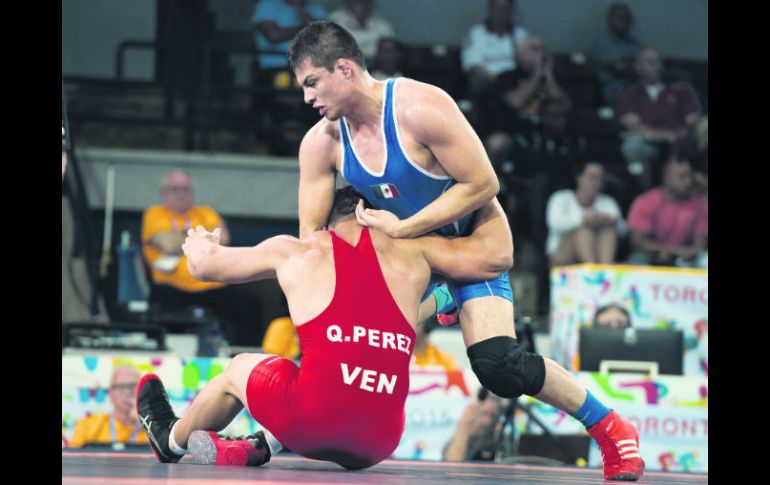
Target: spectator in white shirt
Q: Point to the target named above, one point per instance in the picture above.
(584, 225)
(488, 48)
(358, 18)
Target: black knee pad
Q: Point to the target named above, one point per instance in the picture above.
(504, 369)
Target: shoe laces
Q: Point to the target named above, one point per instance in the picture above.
(252, 437)
(160, 407)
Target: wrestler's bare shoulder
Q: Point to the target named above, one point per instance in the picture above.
(323, 137)
(417, 102)
(412, 91)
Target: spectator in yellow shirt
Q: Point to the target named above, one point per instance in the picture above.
(164, 229)
(122, 426)
(425, 353)
(281, 338)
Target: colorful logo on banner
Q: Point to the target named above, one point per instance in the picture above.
(657, 298)
(667, 390)
(424, 380)
(686, 461)
(436, 400)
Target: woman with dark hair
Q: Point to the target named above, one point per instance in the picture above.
(583, 224)
(612, 315)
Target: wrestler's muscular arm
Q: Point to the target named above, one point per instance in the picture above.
(208, 260)
(318, 155)
(430, 117)
(472, 258)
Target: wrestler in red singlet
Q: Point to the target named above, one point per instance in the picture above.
(346, 402)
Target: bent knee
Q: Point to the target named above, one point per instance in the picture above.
(503, 368)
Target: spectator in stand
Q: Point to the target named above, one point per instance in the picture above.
(489, 47)
(164, 229)
(615, 51)
(654, 113)
(524, 119)
(512, 106)
(358, 18)
(584, 225)
(275, 24)
(669, 224)
(612, 315)
(427, 354)
(388, 61)
(474, 437)
(120, 426)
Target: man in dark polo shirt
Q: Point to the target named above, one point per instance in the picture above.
(654, 113)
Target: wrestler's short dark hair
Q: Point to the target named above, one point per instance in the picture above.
(345, 201)
(323, 42)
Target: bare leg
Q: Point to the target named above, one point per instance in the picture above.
(491, 316)
(561, 389)
(607, 243)
(220, 400)
(565, 253)
(577, 246)
(486, 317)
(585, 242)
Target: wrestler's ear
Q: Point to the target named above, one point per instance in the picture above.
(345, 66)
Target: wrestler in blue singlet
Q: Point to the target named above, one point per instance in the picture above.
(404, 188)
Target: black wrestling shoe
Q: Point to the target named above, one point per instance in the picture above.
(156, 416)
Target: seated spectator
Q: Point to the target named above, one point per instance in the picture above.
(474, 437)
(488, 48)
(537, 166)
(388, 61)
(612, 315)
(281, 338)
(164, 229)
(358, 18)
(615, 51)
(654, 113)
(120, 426)
(425, 353)
(583, 224)
(696, 148)
(276, 22)
(512, 106)
(669, 224)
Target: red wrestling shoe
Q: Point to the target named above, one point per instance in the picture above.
(448, 319)
(618, 441)
(208, 448)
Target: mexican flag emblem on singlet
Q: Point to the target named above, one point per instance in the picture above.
(385, 191)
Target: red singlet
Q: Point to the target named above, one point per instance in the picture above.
(346, 401)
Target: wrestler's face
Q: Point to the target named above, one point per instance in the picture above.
(324, 90)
